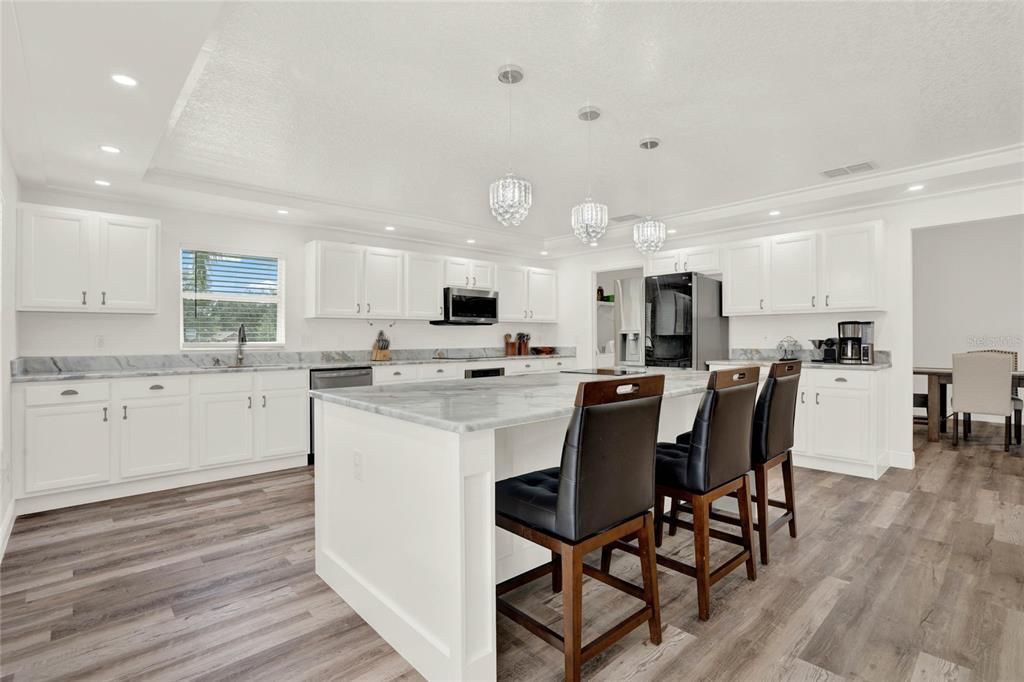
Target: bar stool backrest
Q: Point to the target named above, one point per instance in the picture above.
(982, 383)
(775, 412)
(720, 440)
(607, 473)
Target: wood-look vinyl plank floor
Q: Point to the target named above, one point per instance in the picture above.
(917, 576)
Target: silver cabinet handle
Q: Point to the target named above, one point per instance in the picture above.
(156, 387)
(527, 365)
(83, 298)
(103, 298)
(439, 371)
(675, 266)
(558, 364)
(104, 414)
(526, 314)
(69, 391)
(250, 402)
(474, 281)
(841, 380)
(685, 264)
(817, 399)
(396, 374)
(813, 298)
(124, 414)
(467, 280)
(367, 308)
(359, 308)
(761, 304)
(802, 402)
(827, 296)
(264, 400)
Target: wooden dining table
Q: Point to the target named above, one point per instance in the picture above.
(939, 379)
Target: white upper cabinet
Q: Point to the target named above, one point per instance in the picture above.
(745, 283)
(424, 284)
(464, 272)
(850, 267)
(703, 259)
(794, 272)
(512, 298)
(82, 261)
(334, 280)
(541, 295)
(481, 275)
(663, 263)
(383, 272)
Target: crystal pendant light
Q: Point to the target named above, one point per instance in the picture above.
(649, 234)
(589, 219)
(511, 196)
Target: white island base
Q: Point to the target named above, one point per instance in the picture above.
(405, 528)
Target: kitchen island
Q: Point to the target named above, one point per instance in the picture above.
(405, 479)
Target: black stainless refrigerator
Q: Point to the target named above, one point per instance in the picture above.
(683, 323)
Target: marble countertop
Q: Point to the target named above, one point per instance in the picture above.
(481, 404)
(129, 372)
(806, 365)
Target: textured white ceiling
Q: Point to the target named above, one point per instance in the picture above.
(365, 112)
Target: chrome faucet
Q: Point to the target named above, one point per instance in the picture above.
(241, 342)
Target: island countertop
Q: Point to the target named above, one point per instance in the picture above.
(490, 403)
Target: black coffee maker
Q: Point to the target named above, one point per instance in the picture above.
(829, 350)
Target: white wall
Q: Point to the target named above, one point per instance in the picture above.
(75, 334)
(894, 328)
(8, 334)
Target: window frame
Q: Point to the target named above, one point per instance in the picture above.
(279, 299)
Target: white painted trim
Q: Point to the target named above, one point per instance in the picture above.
(37, 503)
(837, 466)
(6, 526)
(902, 460)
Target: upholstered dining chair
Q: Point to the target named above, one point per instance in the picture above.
(982, 384)
(1018, 402)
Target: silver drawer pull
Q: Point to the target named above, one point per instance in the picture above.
(440, 371)
(83, 298)
(125, 408)
(396, 374)
(69, 391)
(841, 380)
(104, 414)
(156, 387)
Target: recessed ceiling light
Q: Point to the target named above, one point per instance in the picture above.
(282, 211)
(671, 231)
(102, 183)
(389, 228)
(110, 149)
(915, 188)
(543, 253)
(471, 241)
(122, 79)
(774, 213)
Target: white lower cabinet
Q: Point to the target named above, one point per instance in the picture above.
(154, 435)
(283, 410)
(69, 445)
(224, 424)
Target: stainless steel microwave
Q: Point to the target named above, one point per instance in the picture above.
(470, 306)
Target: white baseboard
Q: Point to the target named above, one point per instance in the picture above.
(902, 460)
(6, 526)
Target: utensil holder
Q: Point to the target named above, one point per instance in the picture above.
(380, 355)
(511, 348)
(524, 348)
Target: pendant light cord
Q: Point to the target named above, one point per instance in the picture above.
(509, 86)
(590, 157)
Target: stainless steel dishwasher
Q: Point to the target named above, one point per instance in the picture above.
(327, 377)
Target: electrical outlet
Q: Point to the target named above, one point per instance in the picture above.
(100, 341)
(357, 466)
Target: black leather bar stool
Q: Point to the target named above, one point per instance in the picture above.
(602, 492)
(706, 464)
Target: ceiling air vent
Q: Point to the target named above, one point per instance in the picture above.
(628, 217)
(862, 167)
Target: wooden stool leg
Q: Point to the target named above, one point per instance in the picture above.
(572, 611)
(1017, 416)
(606, 556)
(761, 483)
(1006, 436)
(787, 482)
(743, 499)
(659, 518)
(967, 425)
(701, 555)
(649, 572)
(673, 521)
(556, 572)
(956, 428)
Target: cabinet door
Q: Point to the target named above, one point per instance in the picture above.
(511, 285)
(282, 422)
(481, 275)
(225, 425)
(126, 272)
(424, 284)
(744, 278)
(700, 259)
(794, 273)
(663, 263)
(154, 435)
(336, 288)
(55, 247)
(841, 424)
(850, 268)
(542, 295)
(383, 282)
(67, 446)
(802, 421)
(457, 272)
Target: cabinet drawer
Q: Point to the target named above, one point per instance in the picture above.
(395, 374)
(559, 364)
(448, 370)
(836, 378)
(152, 387)
(61, 392)
(269, 381)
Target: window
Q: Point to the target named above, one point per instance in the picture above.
(220, 291)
